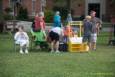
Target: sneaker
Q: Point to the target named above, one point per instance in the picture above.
(57, 51)
(21, 52)
(94, 49)
(51, 51)
(26, 51)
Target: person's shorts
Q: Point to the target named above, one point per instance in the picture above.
(87, 38)
(22, 42)
(94, 37)
(54, 36)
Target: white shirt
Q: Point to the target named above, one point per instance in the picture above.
(57, 30)
(21, 36)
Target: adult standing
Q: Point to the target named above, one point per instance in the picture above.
(113, 25)
(112, 31)
(96, 25)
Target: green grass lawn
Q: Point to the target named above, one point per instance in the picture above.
(99, 63)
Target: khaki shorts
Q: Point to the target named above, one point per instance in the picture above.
(94, 37)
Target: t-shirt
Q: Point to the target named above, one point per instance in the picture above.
(57, 30)
(68, 31)
(57, 21)
(87, 28)
(39, 23)
(21, 36)
(94, 21)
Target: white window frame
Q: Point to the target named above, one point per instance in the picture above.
(102, 6)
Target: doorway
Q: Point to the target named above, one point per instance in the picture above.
(95, 7)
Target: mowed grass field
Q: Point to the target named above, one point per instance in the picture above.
(99, 63)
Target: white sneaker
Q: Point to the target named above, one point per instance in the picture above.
(26, 51)
(21, 52)
(51, 51)
(57, 51)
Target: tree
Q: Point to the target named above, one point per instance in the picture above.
(64, 6)
(23, 14)
(65, 3)
(68, 5)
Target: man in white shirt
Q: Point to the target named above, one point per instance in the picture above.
(54, 35)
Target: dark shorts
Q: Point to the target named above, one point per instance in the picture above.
(54, 36)
(87, 38)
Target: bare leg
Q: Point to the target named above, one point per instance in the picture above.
(57, 46)
(26, 49)
(94, 45)
(89, 44)
(21, 49)
(52, 46)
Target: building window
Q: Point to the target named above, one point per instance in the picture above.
(43, 4)
(12, 3)
(33, 7)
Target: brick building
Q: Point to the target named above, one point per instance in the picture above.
(104, 8)
(32, 6)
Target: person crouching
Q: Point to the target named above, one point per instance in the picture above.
(54, 35)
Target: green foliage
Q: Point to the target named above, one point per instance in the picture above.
(7, 15)
(8, 10)
(113, 1)
(1, 16)
(61, 3)
(23, 14)
(49, 16)
(63, 11)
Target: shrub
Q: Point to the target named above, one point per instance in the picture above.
(1, 16)
(23, 14)
(7, 15)
(63, 11)
(8, 10)
(49, 16)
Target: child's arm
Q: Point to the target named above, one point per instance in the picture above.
(26, 35)
(16, 36)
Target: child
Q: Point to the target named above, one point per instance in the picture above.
(39, 39)
(57, 20)
(87, 30)
(68, 32)
(22, 39)
(39, 23)
(69, 18)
